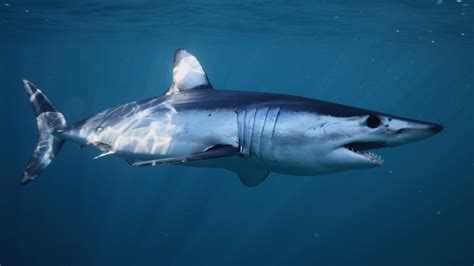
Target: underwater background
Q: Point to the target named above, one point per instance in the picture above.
(409, 58)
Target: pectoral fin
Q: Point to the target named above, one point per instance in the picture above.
(216, 151)
(106, 153)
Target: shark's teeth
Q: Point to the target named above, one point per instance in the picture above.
(375, 158)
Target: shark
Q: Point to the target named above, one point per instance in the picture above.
(249, 133)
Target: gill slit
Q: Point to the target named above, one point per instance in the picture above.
(252, 130)
(274, 124)
(261, 133)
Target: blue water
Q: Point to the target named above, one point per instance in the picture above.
(409, 58)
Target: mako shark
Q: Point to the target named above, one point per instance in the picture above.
(249, 133)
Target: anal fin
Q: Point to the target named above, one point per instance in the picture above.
(216, 151)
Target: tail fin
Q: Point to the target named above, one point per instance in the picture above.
(49, 119)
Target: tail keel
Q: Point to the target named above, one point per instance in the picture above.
(49, 119)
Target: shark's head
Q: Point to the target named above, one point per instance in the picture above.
(317, 137)
(351, 139)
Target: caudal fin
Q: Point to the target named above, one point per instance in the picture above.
(49, 119)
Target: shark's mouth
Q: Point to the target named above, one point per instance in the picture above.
(361, 148)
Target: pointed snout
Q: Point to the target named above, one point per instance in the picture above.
(435, 128)
(407, 131)
(423, 129)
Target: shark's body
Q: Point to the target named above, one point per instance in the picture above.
(249, 133)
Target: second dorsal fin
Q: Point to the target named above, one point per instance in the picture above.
(188, 73)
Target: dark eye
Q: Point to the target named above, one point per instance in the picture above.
(373, 121)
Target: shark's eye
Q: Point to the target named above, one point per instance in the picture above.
(373, 121)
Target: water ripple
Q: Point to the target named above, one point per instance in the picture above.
(396, 20)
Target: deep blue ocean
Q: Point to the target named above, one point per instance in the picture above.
(409, 58)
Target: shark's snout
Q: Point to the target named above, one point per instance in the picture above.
(435, 128)
(411, 131)
(428, 128)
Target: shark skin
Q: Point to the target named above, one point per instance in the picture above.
(250, 133)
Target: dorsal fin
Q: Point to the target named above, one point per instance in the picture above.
(188, 73)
